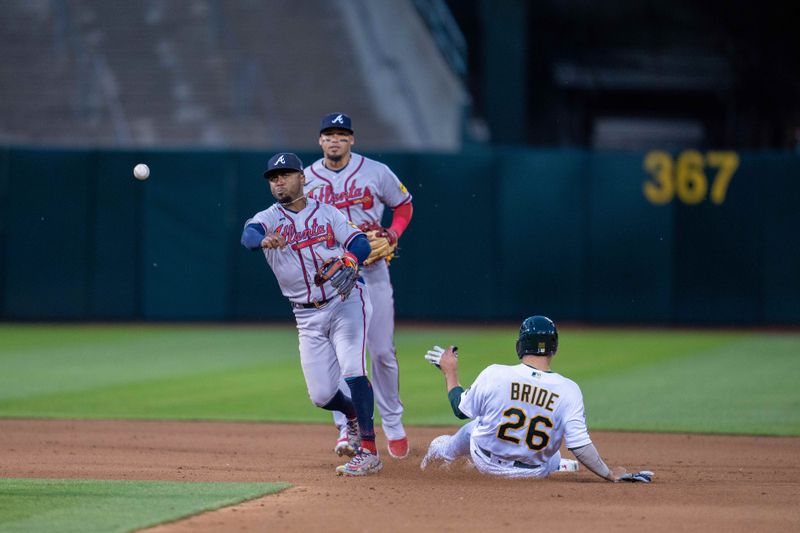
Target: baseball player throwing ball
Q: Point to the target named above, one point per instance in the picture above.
(521, 414)
(361, 189)
(315, 253)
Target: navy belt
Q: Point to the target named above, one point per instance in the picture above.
(312, 304)
(517, 464)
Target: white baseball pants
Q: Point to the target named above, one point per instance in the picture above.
(385, 376)
(461, 444)
(332, 343)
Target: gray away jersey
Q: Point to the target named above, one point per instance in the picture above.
(312, 235)
(360, 190)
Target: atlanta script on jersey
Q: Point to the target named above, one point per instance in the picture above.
(313, 235)
(523, 414)
(361, 190)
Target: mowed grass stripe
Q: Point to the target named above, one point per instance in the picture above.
(670, 380)
(749, 386)
(259, 392)
(41, 359)
(73, 505)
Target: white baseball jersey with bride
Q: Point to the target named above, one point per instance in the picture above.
(314, 234)
(523, 414)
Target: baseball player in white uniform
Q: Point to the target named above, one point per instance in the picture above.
(521, 414)
(315, 252)
(362, 188)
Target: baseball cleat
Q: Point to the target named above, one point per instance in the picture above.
(364, 463)
(349, 441)
(398, 448)
(343, 447)
(436, 451)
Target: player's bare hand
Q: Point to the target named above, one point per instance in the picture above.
(273, 240)
(449, 359)
(616, 473)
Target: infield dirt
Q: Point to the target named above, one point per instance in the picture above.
(702, 483)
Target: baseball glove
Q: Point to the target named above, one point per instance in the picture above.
(383, 243)
(645, 476)
(342, 272)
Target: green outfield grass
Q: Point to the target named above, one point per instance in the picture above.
(79, 505)
(663, 380)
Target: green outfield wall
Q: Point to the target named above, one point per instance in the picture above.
(682, 237)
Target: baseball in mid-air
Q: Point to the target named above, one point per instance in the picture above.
(141, 171)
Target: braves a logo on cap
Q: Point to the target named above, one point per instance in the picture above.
(280, 161)
(338, 120)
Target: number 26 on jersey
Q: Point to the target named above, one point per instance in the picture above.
(536, 434)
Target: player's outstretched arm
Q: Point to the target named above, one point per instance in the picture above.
(251, 236)
(590, 458)
(254, 237)
(447, 362)
(273, 240)
(449, 366)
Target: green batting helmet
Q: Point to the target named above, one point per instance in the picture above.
(537, 336)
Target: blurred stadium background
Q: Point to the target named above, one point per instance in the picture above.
(619, 164)
(603, 162)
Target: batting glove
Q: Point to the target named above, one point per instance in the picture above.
(434, 355)
(645, 476)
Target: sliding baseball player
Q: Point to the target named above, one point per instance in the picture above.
(521, 414)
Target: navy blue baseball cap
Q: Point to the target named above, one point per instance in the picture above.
(336, 120)
(283, 161)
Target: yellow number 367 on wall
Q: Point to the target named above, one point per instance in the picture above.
(685, 176)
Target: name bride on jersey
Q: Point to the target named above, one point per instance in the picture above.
(533, 395)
